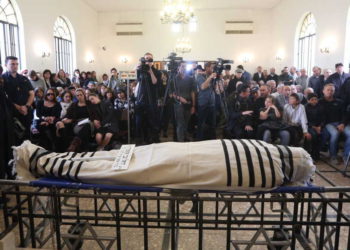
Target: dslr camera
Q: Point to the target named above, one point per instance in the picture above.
(222, 64)
(173, 62)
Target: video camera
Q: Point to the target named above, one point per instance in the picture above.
(144, 67)
(222, 64)
(173, 62)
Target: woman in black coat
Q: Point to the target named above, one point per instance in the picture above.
(48, 111)
(76, 128)
(105, 121)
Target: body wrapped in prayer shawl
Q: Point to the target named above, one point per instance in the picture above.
(207, 165)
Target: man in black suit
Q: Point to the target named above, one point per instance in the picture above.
(338, 78)
(258, 76)
(272, 75)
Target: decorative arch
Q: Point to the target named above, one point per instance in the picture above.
(64, 45)
(306, 43)
(10, 31)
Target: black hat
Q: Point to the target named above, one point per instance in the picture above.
(311, 95)
(254, 89)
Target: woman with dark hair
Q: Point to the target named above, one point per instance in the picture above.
(121, 105)
(62, 76)
(105, 121)
(76, 76)
(109, 96)
(48, 111)
(76, 129)
(56, 81)
(83, 78)
(47, 78)
(67, 100)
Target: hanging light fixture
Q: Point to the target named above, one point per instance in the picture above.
(183, 45)
(176, 11)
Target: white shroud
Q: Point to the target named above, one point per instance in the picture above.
(214, 165)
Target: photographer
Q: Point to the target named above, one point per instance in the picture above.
(183, 91)
(147, 94)
(206, 102)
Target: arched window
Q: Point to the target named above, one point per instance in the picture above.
(306, 43)
(9, 32)
(63, 45)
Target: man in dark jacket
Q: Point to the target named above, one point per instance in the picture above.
(6, 133)
(333, 110)
(315, 117)
(258, 76)
(337, 79)
(241, 113)
(316, 81)
(272, 75)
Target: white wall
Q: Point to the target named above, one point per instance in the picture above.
(274, 31)
(331, 18)
(208, 43)
(39, 17)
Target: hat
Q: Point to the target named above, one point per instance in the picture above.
(239, 71)
(254, 89)
(311, 95)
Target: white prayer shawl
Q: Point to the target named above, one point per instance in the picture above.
(206, 165)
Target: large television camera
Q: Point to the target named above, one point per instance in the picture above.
(173, 62)
(221, 65)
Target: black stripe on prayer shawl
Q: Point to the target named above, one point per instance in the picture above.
(261, 164)
(38, 158)
(238, 161)
(272, 168)
(33, 155)
(69, 169)
(93, 153)
(73, 155)
(60, 168)
(77, 171)
(291, 163)
(47, 162)
(250, 164)
(283, 163)
(53, 165)
(228, 166)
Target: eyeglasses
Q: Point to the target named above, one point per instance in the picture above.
(50, 94)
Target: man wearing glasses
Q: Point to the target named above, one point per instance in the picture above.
(21, 94)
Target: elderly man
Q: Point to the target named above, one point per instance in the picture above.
(316, 81)
(283, 98)
(272, 75)
(302, 80)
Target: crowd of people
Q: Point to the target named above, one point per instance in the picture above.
(84, 113)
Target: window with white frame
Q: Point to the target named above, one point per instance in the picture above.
(306, 43)
(63, 46)
(9, 32)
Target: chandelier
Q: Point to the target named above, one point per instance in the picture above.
(176, 11)
(183, 45)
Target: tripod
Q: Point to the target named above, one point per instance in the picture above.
(222, 96)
